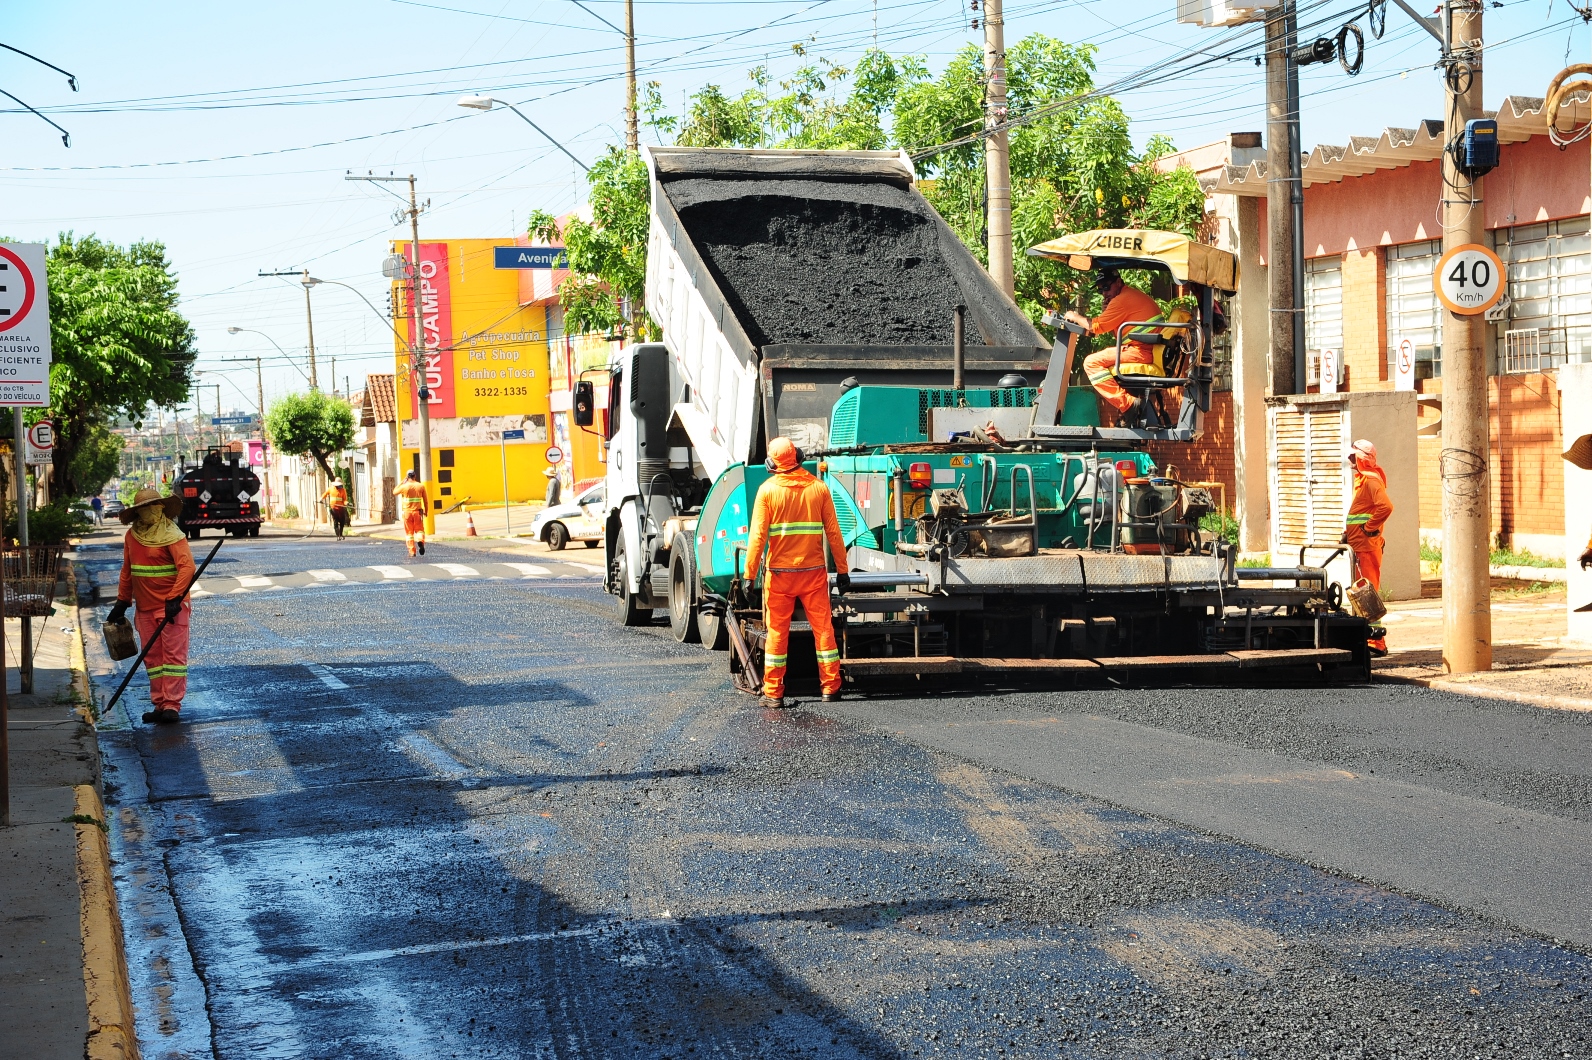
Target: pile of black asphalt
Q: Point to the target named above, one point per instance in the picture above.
(824, 263)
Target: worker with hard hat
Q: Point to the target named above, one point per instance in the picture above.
(1368, 514)
(1123, 305)
(336, 498)
(792, 517)
(157, 571)
(412, 502)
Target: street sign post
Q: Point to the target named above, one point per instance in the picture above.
(514, 435)
(24, 326)
(1329, 371)
(241, 420)
(1404, 365)
(554, 455)
(529, 258)
(1469, 279)
(41, 443)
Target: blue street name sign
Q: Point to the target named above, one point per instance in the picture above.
(514, 436)
(230, 421)
(529, 258)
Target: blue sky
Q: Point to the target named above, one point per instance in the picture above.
(225, 129)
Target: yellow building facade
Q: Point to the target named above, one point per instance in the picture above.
(485, 368)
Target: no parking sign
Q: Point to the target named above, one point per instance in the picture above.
(24, 325)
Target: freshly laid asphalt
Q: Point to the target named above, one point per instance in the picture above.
(456, 816)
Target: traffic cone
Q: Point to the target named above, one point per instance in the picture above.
(469, 525)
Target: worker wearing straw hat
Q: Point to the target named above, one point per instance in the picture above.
(157, 568)
(1580, 454)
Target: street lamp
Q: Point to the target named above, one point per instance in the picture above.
(273, 342)
(487, 103)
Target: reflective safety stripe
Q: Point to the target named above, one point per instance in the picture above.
(787, 529)
(1099, 377)
(828, 656)
(774, 660)
(141, 571)
(1359, 519)
(168, 671)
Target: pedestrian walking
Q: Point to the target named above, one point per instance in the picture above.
(336, 498)
(157, 568)
(412, 503)
(555, 488)
(1368, 513)
(97, 505)
(793, 515)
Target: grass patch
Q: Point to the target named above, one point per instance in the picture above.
(1504, 557)
(1221, 525)
(83, 818)
(1430, 553)
(1529, 589)
(1256, 561)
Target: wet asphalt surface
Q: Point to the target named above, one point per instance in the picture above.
(476, 818)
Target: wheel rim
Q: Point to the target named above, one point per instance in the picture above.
(679, 596)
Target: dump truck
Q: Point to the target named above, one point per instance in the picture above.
(994, 527)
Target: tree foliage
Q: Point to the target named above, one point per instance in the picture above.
(97, 460)
(313, 424)
(119, 344)
(1073, 168)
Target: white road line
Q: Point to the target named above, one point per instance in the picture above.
(529, 570)
(392, 571)
(424, 747)
(328, 575)
(196, 592)
(458, 570)
(241, 589)
(327, 678)
(253, 581)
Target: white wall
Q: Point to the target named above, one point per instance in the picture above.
(1575, 410)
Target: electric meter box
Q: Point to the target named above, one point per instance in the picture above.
(1478, 148)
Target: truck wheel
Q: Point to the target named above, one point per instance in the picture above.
(682, 590)
(557, 536)
(628, 610)
(593, 543)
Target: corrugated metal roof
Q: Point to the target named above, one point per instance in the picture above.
(1519, 118)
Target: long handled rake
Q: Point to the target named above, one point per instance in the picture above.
(153, 637)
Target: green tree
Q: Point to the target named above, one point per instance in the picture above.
(313, 424)
(118, 341)
(97, 461)
(608, 254)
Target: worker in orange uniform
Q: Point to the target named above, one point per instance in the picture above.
(792, 515)
(1368, 513)
(1123, 305)
(336, 498)
(157, 570)
(412, 502)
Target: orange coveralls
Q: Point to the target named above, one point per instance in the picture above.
(793, 514)
(150, 577)
(1368, 513)
(336, 498)
(412, 502)
(1131, 305)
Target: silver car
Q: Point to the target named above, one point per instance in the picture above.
(580, 520)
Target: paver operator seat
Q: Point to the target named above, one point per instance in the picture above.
(1180, 337)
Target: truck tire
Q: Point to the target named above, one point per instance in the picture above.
(683, 590)
(557, 536)
(627, 609)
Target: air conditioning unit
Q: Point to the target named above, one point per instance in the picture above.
(1217, 13)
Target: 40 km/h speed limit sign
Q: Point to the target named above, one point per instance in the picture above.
(1469, 279)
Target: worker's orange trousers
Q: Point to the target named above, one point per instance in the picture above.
(167, 661)
(780, 594)
(1368, 560)
(1099, 367)
(414, 529)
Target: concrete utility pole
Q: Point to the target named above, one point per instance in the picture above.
(997, 150)
(1467, 515)
(632, 123)
(309, 317)
(1284, 203)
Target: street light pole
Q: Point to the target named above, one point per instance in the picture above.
(632, 124)
(997, 151)
(309, 317)
(488, 102)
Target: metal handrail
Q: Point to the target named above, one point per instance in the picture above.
(1191, 325)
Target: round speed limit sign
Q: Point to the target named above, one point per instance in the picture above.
(1469, 279)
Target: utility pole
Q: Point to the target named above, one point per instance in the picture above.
(418, 374)
(309, 317)
(1285, 198)
(334, 377)
(632, 123)
(1467, 516)
(997, 150)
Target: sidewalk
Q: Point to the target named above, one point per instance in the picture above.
(1531, 662)
(62, 970)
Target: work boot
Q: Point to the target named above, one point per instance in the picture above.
(1133, 415)
(162, 716)
(772, 702)
(1378, 647)
(421, 545)
(831, 697)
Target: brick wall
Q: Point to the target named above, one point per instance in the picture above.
(1211, 458)
(1365, 319)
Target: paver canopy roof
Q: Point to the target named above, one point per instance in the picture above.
(1188, 260)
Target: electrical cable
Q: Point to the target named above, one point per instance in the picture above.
(1352, 29)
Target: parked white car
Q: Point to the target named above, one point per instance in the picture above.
(581, 520)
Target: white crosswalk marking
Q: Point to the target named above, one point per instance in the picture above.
(197, 592)
(327, 678)
(241, 589)
(253, 581)
(458, 570)
(387, 570)
(529, 570)
(328, 575)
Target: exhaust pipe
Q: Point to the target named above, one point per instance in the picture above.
(958, 346)
(878, 579)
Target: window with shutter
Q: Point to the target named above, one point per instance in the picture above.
(1309, 492)
(1413, 311)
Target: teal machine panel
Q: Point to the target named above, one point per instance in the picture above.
(899, 415)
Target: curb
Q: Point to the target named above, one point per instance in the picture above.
(1460, 686)
(107, 988)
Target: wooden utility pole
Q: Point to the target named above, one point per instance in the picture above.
(1467, 515)
(997, 150)
(632, 124)
(1284, 202)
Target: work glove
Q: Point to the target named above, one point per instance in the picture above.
(1343, 539)
(173, 608)
(119, 612)
(842, 582)
(1586, 559)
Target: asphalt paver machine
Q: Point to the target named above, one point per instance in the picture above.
(995, 528)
